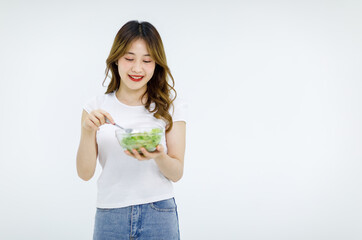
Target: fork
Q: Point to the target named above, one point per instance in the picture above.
(127, 130)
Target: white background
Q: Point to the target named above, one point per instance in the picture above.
(275, 109)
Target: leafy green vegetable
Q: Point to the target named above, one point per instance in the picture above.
(148, 140)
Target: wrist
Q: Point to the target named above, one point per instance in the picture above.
(88, 132)
(161, 157)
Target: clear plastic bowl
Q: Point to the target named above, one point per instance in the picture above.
(144, 136)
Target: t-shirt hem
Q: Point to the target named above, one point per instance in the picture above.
(135, 202)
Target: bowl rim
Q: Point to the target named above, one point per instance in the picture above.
(121, 131)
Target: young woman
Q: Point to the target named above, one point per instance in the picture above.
(135, 197)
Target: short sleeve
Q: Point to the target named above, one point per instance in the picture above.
(179, 110)
(93, 104)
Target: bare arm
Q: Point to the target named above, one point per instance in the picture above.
(172, 164)
(87, 150)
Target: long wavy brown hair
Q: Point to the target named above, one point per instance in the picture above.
(158, 88)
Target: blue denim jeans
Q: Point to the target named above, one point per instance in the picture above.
(157, 220)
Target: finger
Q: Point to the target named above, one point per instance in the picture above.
(100, 117)
(94, 120)
(145, 153)
(160, 148)
(128, 153)
(107, 115)
(137, 155)
(90, 124)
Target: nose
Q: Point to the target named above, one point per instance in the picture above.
(137, 67)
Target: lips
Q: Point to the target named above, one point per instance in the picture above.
(135, 78)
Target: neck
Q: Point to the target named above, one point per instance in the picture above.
(132, 98)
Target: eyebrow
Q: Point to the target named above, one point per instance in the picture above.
(147, 55)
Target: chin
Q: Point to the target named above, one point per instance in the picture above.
(137, 87)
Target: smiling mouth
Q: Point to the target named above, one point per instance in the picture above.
(135, 78)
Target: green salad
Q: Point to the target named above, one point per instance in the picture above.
(148, 140)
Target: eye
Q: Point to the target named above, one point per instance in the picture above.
(128, 59)
(147, 61)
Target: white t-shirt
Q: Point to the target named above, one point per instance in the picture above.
(124, 180)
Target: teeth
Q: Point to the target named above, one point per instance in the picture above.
(136, 77)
